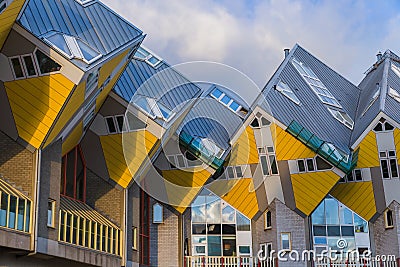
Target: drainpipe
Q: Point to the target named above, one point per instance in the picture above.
(124, 227)
(35, 213)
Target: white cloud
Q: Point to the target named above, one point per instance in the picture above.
(344, 34)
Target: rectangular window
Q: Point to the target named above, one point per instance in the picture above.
(388, 219)
(121, 123)
(266, 250)
(301, 166)
(286, 242)
(268, 161)
(110, 125)
(29, 65)
(134, 238)
(51, 211)
(310, 165)
(157, 213)
(389, 165)
(267, 220)
(91, 82)
(17, 67)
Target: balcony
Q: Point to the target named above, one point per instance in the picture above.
(204, 261)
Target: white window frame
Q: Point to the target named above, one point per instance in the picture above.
(394, 94)
(283, 88)
(266, 226)
(13, 70)
(353, 173)
(263, 152)
(289, 238)
(156, 110)
(6, 2)
(382, 123)
(388, 158)
(146, 58)
(338, 115)
(90, 87)
(35, 66)
(158, 205)
(264, 249)
(219, 99)
(125, 127)
(234, 171)
(314, 160)
(372, 101)
(385, 214)
(53, 214)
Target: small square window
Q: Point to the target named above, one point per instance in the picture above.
(301, 166)
(357, 174)
(121, 123)
(310, 165)
(226, 99)
(286, 241)
(238, 170)
(29, 66)
(17, 67)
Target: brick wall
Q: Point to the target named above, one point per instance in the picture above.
(104, 197)
(17, 164)
(260, 235)
(387, 240)
(164, 240)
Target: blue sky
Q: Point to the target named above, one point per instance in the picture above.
(251, 35)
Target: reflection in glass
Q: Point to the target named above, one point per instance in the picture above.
(360, 225)
(332, 211)
(213, 210)
(346, 216)
(318, 216)
(243, 224)
(214, 246)
(228, 214)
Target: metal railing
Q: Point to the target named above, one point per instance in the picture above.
(203, 261)
(367, 262)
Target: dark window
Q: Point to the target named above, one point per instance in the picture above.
(73, 180)
(214, 229)
(111, 125)
(389, 218)
(264, 165)
(274, 167)
(347, 230)
(268, 220)
(393, 167)
(228, 229)
(358, 175)
(322, 164)
(121, 123)
(319, 230)
(378, 128)
(30, 66)
(199, 229)
(239, 173)
(333, 231)
(3, 6)
(310, 165)
(17, 67)
(46, 64)
(265, 122)
(385, 169)
(301, 166)
(255, 123)
(388, 126)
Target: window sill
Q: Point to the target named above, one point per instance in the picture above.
(51, 227)
(268, 228)
(389, 227)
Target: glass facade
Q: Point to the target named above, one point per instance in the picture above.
(333, 222)
(216, 227)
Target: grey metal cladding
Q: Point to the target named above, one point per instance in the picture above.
(95, 24)
(162, 83)
(321, 124)
(392, 106)
(209, 118)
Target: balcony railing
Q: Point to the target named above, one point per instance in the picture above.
(368, 262)
(202, 261)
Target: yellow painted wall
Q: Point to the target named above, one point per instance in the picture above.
(311, 188)
(186, 184)
(240, 194)
(71, 107)
(35, 103)
(288, 147)
(368, 155)
(7, 19)
(73, 139)
(245, 149)
(105, 71)
(396, 134)
(137, 145)
(358, 196)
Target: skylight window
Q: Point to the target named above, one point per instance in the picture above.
(226, 100)
(314, 82)
(373, 99)
(393, 93)
(73, 47)
(286, 91)
(396, 70)
(148, 56)
(342, 117)
(154, 108)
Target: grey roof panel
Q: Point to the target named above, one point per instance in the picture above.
(95, 24)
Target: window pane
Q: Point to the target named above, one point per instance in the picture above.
(59, 41)
(347, 231)
(120, 122)
(385, 169)
(360, 225)
(239, 173)
(358, 175)
(333, 231)
(214, 246)
(28, 216)
(199, 239)
(88, 52)
(243, 224)
(213, 210)
(230, 173)
(228, 214)
(216, 93)
(310, 165)
(285, 238)
(228, 229)
(234, 106)
(319, 230)
(274, 167)
(111, 125)
(320, 241)
(157, 213)
(318, 216)
(17, 68)
(244, 249)
(229, 246)
(50, 213)
(346, 216)
(46, 64)
(213, 229)
(301, 166)
(199, 210)
(264, 165)
(3, 209)
(12, 212)
(332, 211)
(225, 99)
(30, 67)
(393, 167)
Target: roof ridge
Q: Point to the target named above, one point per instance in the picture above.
(384, 85)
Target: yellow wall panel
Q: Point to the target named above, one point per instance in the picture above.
(73, 139)
(70, 108)
(288, 147)
(136, 146)
(368, 155)
(35, 104)
(396, 134)
(109, 66)
(358, 196)
(311, 188)
(239, 193)
(183, 186)
(7, 19)
(245, 149)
